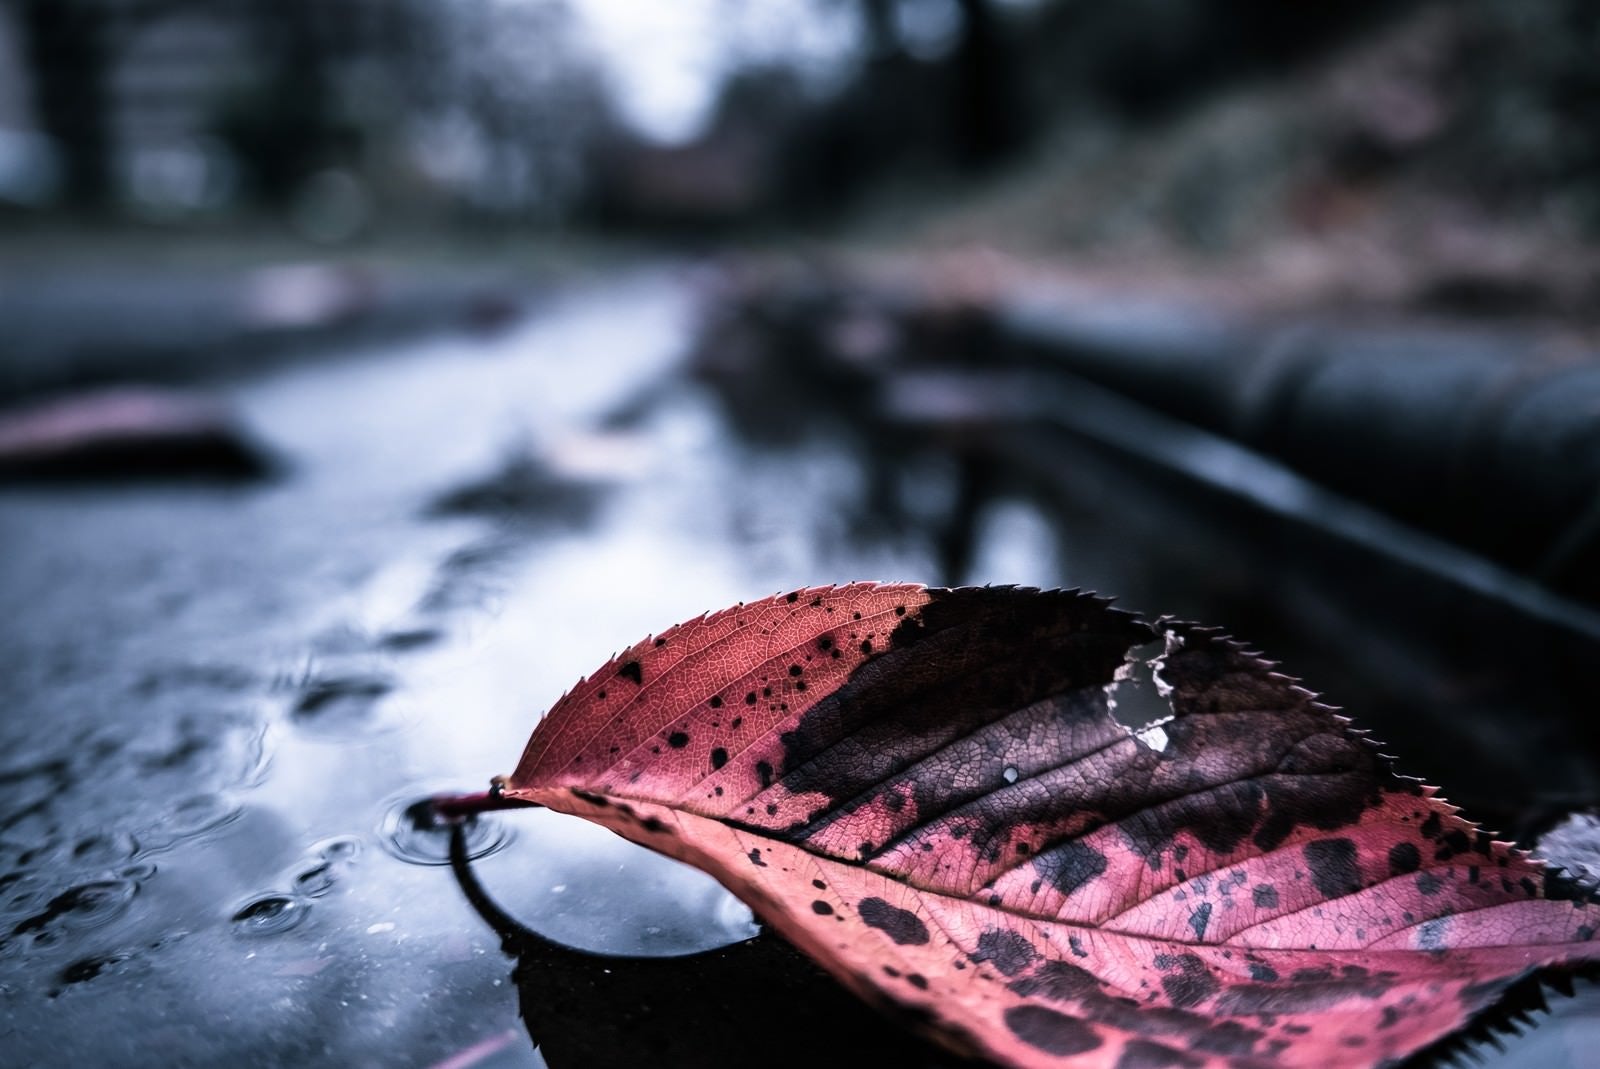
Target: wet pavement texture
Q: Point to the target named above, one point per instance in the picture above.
(222, 703)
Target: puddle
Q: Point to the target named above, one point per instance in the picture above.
(224, 705)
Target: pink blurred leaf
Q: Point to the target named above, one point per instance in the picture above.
(927, 792)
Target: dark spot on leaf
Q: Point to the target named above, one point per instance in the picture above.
(652, 824)
(719, 757)
(1333, 866)
(1145, 1054)
(1455, 842)
(1310, 991)
(1261, 973)
(1430, 934)
(1070, 865)
(1049, 1031)
(792, 598)
(632, 671)
(1429, 884)
(821, 908)
(1188, 982)
(1265, 896)
(716, 702)
(917, 980)
(1009, 952)
(1199, 919)
(764, 774)
(1060, 982)
(1226, 1038)
(1404, 858)
(819, 885)
(901, 925)
(755, 859)
(677, 740)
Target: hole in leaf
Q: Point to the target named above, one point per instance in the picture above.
(1136, 701)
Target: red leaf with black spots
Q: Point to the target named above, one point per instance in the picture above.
(927, 792)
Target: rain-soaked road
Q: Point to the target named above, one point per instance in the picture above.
(217, 702)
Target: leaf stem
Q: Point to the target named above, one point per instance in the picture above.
(455, 807)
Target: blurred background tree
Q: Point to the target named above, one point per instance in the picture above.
(345, 117)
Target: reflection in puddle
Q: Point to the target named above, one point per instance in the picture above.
(716, 1009)
(581, 886)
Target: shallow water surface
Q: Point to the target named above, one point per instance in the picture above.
(221, 705)
(221, 701)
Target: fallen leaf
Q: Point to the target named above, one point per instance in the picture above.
(926, 791)
(127, 433)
